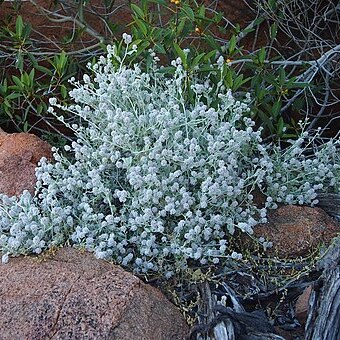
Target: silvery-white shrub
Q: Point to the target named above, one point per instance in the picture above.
(153, 182)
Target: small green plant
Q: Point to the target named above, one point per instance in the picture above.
(25, 89)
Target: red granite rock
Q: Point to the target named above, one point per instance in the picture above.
(19, 156)
(72, 295)
(297, 230)
(301, 307)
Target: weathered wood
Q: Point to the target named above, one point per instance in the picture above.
(219, 322)
(323, 320)
(330, 202)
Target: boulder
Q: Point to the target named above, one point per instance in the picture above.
(297, 230)
(19, 156)
(71, 295)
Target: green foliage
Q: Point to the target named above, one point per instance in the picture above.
(24, 95)
(172, 29)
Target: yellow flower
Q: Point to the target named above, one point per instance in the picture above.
(198, 30)
(228, 61)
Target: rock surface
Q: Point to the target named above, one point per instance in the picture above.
(19, 156)
(302, 304)
(72, 295)
(297, 230)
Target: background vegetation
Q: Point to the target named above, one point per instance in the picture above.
(286, 54)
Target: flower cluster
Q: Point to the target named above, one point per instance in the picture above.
(154, 183)
(303, 169)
